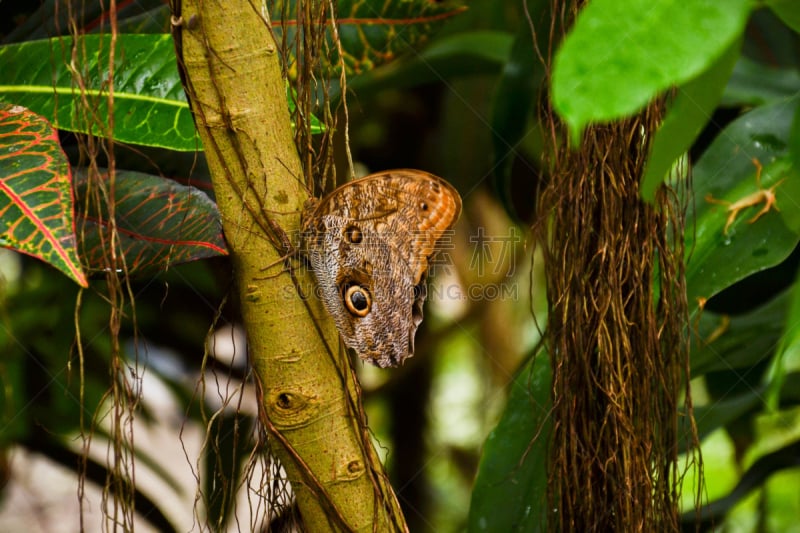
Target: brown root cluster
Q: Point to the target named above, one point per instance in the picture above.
(616, 329)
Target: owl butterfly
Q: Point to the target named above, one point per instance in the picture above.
(369, 243)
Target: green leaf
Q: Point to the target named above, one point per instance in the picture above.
(291, 96)
(788, 11)
(754, 83)
(689, 113)
(160, 223)
(620, 54)
(149, 103)
(35, 195)
(510, 492)
(727, 172)
(727, 343)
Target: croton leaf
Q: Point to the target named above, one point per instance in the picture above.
(373, 32)
(35, 195)
(54, 17)
(158, 221)
(469, 53)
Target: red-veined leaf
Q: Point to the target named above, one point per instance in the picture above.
(374, 32)
(159, 223)
(35, 195)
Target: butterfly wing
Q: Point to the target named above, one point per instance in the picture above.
(377, 234)
(369, 301)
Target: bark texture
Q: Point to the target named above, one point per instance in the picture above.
(309, 396)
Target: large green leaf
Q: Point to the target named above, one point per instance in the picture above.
(149, 103)
(510, 492)
(621, 53)
(35, 195)
(728, 171)
(159, 223)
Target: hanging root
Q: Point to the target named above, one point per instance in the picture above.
(616, 333)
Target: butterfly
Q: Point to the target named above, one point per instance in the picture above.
(369, 244)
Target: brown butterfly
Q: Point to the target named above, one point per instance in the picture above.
(369, 243)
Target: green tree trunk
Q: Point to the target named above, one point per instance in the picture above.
(309, 399)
